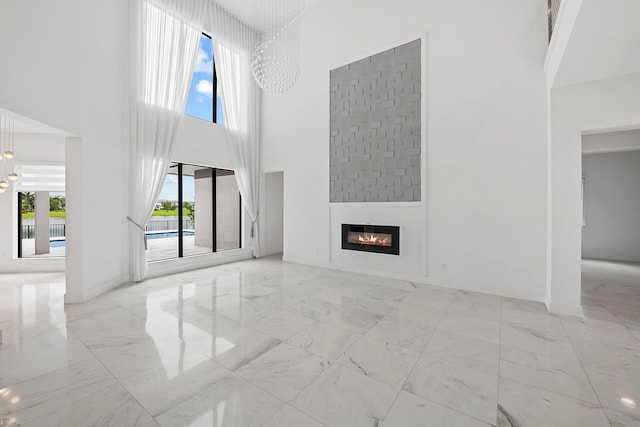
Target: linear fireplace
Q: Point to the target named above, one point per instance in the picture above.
(383, 239)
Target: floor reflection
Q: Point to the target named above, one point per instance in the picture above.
(264, 342)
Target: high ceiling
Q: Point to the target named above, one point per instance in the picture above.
(245, 10)
(605, 42)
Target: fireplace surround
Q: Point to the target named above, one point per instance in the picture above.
(383, 239)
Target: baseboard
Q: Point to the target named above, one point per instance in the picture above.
(562, 308)
(314, 262)
(72, 298)
(418, 279)
(488, 291)
(547, 300)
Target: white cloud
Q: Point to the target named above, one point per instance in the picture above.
(205, 87)
(204, 64)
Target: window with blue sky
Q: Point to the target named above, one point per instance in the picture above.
(201, 102)
(170, 188)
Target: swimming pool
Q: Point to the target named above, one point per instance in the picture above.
(60, 243)
(167, 235)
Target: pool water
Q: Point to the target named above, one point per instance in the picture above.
(150, 236)
(169, 234)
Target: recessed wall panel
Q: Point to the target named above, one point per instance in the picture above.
(375, 139)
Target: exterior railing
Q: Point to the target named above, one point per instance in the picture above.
(169, 224)
(28, 231)
(60, 230)
(553, 6)
(55, 230)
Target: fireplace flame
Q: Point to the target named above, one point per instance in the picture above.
(373, 239)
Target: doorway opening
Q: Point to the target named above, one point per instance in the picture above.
(274, 213)
(40, 205)
(610, 279)
(36, 203)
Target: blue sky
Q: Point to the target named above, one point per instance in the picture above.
(200, 99)
(170, 188)
(199, 105)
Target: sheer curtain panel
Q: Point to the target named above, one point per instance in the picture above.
(233, 44)
(164, 45)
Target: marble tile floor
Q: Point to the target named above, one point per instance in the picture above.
(266, 343)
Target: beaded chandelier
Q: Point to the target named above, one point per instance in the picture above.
(276, 61)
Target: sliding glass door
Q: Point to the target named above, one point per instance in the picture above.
(198, 212)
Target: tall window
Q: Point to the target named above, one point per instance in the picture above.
(198, 212)
(204, 96)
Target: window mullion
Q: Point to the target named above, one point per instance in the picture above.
(214, 99)
(19, 224)
(180, 216)
(214, 209)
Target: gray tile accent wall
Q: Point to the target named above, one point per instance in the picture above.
(375, 127)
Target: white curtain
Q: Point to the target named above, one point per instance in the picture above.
(233, 44)
(165, 36)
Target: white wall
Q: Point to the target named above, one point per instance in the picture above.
(483, 224)
(39, 148)
(29, 149)
(203, 143)
(612, 104)
(65, 64)
(611, 206)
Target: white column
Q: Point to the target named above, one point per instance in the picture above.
(73, 251)
(42, 222)
(203, 223)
